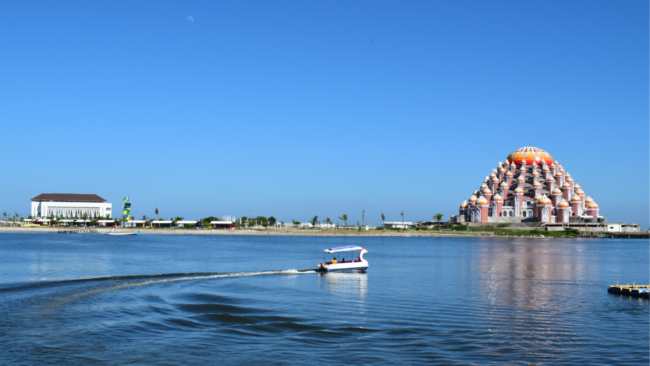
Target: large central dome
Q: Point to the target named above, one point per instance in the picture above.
(531, 155)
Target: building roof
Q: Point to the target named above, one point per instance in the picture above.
(68, 197)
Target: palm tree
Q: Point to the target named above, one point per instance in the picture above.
(402, 214)
(383, 218)
(438, 218)
(328, 221)
(157, 213)
(4, 214)
(363, 217)
(85, 217)
(314, 221)
(344, 217)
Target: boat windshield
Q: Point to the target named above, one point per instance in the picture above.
(348, 248)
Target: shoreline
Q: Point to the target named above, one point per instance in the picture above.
(327, 233)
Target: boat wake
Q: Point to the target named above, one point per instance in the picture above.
(147, 279)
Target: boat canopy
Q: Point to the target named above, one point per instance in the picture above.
(348, 248)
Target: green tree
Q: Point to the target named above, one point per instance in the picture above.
(85, 217)
(314, 221)
(271, 220)
(158, 216)
(344, 217)
(383, 218)
(363, 217)
(328, 221)
(402, 214)
(438, 218)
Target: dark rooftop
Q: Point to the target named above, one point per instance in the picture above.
(68, 197)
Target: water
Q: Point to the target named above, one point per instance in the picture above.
(168, 299)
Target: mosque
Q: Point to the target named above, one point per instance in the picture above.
(530, 187)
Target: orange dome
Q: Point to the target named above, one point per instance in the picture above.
(566, 185)
(463, 205)
(487, 191)
(537, 198)
(492, 175)
(569, 179)
(577, 186)
(535, 173)
(550, 179)
(482, 201)
(509, 174)
(576, 198)
(503, 184)
(476, 193)
(545, 201)
(483, 186)
(472, 199)
(521, 178)
(537, 184)
(580, 192)
(564, 203)
(497, 197)
(530, 155)
(589, 199)
(495, 180)
(545, 168)
(557, 191)
(592, 205)
(519, 190)
(559, 174)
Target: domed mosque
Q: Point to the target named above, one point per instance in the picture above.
(529, 187)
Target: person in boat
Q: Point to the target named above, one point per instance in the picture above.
(334, 261)
(342, 260)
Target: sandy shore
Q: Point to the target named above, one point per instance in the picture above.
(271, 232)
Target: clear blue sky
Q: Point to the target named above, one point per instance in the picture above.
(303, 108)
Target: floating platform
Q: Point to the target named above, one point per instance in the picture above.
(634, 290)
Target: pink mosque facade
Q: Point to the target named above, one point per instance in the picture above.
(529, 187)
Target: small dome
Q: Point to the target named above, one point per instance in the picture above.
(503, 184)
(537, 198)
(487, 191)
(559, 174)
(535, 173)
(501, 170)
(562, 169)
(550, 179)
(492, 175)
(463, 205)
(497, 197)
(476, 193)
(557, 191)
(509, 174)
(545, 168)
(472, 199)
(519, 190)
(592, 205)
(544, 200)
(523, 168)
(521, 178)
(534, 163)
(537, 184)
(483, 186)
(482, 201)
(577, 186)
(589, 199)
(566, 185)
(580, 192)
(569, 179)
(576, 198)
(564, 203)
(495, 180)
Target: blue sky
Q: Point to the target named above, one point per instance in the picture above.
(295, 109)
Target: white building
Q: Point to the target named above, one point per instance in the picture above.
(398, 225)
(70, 205)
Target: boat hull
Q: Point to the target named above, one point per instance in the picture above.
(121, 234)
(357, 266)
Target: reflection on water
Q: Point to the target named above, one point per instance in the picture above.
(349, 283)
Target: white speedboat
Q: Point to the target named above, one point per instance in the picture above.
(343, 259)
(116, 233)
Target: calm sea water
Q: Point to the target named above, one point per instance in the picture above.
(168, 299)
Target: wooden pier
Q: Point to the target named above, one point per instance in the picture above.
(634, 290)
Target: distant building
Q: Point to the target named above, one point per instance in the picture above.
(70, 205)
(529, 187)
(398, 224)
